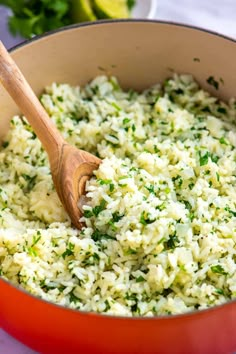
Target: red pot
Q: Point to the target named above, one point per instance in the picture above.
(139, 53)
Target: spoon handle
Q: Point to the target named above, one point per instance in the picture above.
(14, 82)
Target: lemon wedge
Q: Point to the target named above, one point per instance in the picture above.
(111, 8)
(81, 10)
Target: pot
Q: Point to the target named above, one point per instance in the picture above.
(140, 53)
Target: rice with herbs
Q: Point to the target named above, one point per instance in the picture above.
(160, 223)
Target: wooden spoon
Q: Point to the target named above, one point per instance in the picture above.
(70, 167)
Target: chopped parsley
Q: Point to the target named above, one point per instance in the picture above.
(145, 218)
(211, 81)
(69, 250)
(218, 269)
(98, 236)
(139, 279)
(223, 141)
(172, 242)
(203, 159)
(97, 209)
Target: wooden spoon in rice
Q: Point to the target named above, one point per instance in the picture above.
(70, 167)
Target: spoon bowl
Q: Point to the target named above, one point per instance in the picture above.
(70, 167)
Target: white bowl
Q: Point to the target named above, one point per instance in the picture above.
(145, 9)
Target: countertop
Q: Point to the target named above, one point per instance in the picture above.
(216, 15)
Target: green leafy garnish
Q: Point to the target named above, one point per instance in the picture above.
(211, 81)
(36, 238)
(218, 269)
(145, 218)
(203, 159)
(223, 141)
(97, 209)
(230, 211)
(178, 179)
(172, 242)
(98, 236)
(150, 188)
(34, 17)
(139, 279)
(73, 298)
(69, 250)
(104, 181)
(130, 4)
(222, 110)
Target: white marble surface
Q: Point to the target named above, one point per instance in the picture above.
(216, 15)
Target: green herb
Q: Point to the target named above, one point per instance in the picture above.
(161, 240)
(130, 251)
(203, 159)
(115, 84)
(150, 188)
(197, 136)
(178, 179)
(190, 186)
(32, 17)
(126, 120)
(116, 106)
(104, 181)
(222, 110)
(230, 211)
(218, 269)
(172, 242)
(179, 91)
(73, 298)
(107, 308)
(116, 216)
(217, 176)
(214, 158)
(130, 4)
(36, 239)
(151, 120)
(219, 291)
(98, 236)
(88, 213)
(206, 109)
(31, 180)
(97, 209)
(187, 204)
(5, 144)
(145, 218)
(69, 250)
(111, 187)
(223, 141)
(139, 279)
(32, 252)
(211, 81)
(131, 297)
(191, 216)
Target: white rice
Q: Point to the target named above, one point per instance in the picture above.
(160, 228)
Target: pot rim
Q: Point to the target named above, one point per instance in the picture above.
(194, 313)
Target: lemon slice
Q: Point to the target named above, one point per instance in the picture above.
(81, 10)
(111, 8)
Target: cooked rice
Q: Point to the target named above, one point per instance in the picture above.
(160, 221)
